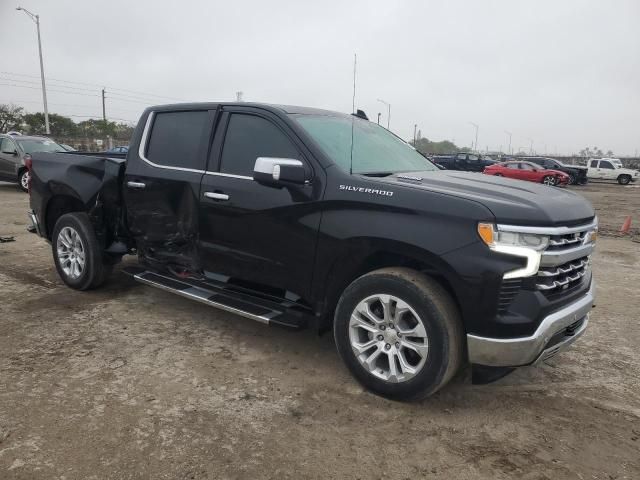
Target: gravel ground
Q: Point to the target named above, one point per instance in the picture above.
(130, 382)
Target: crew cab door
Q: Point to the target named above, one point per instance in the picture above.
(8, 159)
(162, 186)
(260, 236)
(606, 170)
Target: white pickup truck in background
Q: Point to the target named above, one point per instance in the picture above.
(611, 169)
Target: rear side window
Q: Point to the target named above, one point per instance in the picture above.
(594, 163)
(249, 137)
(176, 138)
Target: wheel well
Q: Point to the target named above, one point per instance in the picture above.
(377, 261)
(57, 207)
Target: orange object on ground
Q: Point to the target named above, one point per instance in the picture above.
(626, 226)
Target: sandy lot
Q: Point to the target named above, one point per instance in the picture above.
(130, 382)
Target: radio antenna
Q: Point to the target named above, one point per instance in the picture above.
(353, 111)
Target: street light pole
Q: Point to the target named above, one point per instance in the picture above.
(36, 19)
(477, 128)
(530, 145)
(379, 118)
(415, 129)
(509, 151)
(388, 112)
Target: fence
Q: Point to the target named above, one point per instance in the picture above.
(91, 144)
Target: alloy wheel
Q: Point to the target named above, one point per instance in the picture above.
(71, 252)
(388, 338)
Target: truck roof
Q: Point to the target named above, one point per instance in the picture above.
(289, 109)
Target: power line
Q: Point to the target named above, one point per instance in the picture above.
(93, 85)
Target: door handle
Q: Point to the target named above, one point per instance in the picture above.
(216, 195)
(135, 185)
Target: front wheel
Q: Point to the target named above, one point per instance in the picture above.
(399, 333)
(549, 180)
(624, 179)
(77, 253)
(572, 179)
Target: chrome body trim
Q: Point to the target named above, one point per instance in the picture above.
(138, 185)
(216, 195)
(230, 175)
(548, 230)
(515, 352)
(551, 258)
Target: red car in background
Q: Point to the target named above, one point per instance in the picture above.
(527, 171)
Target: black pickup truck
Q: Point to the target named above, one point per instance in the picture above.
(308, 218)
(464, 161)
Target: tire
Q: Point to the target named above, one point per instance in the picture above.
(624, 179)
(572, 179)
(77, 254)
(428, 305)
(23, 179)
(549, 180)
(498, 175)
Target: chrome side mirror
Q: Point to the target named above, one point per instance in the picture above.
(279, 171)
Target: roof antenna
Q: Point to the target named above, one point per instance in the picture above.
(353, 110)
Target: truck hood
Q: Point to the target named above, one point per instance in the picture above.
(514, 202)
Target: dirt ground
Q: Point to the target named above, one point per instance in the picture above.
(130, 382)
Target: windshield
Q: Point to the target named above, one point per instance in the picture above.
(33, 145)
(375, 149)
(616, 163)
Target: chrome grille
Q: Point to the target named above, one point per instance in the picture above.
(562, 277)
(559, 242)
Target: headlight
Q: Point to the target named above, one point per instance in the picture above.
(526, 245)
(493, 238)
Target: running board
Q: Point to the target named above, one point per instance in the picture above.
(218, 298)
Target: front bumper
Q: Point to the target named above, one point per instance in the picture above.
(557, 331)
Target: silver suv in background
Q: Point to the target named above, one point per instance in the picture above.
(15, 150)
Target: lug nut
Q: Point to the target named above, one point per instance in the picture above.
(391, 326)
(397, 344)
(387, 346)
(382, 327)
(380, 338)
(399, 335)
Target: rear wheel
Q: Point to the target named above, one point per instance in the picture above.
(624, 179)
(549, 180)
(399, 333)
(23, 180)
(498, 175)
(77, 253)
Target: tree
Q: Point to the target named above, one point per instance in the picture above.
(10, 117)
(425, 146)
(59, 125)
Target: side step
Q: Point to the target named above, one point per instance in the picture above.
(255, 309)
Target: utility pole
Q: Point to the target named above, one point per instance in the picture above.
(104, 111)
(475, 145)
(530, 146)
(238, 96)
(388, 112)
(509, 151)
(36, 19)
(379, 118)
(415, 131)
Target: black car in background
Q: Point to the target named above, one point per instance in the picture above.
(467, 162)
(577, 174)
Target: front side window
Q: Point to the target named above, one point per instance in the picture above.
(374, 150)
(526, 166)
(249, 137)
(607, 165)
(512, 166)
(473, 158)
(176, 138)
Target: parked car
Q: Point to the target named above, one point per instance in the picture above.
(275, 214)
(527, 171)
(467, 162)
(16, 150)
(577, 174)
(611, 169)
(123, 149)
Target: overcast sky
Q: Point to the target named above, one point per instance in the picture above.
(563, 73)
